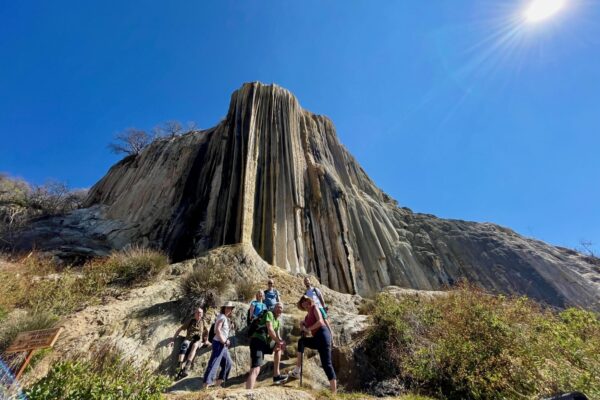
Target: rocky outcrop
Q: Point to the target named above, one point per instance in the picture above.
(274, 176)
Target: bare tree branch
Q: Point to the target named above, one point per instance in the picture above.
(131, 142)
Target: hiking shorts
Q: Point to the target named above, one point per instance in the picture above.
(258, 349)
(186, 344)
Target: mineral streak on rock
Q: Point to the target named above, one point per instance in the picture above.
(275, 176)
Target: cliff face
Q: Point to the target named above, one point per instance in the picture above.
(275, 176)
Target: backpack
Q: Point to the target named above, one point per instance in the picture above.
(258, 325)
(268, 299)
(249, 316)
(211, 332)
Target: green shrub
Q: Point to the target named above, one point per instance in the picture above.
(204, 287)
(23, 322)
(136, 265)
(471, 345)
(106, 374)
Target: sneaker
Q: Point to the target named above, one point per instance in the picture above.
(279, 379)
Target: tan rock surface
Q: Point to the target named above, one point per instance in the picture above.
(274, 176)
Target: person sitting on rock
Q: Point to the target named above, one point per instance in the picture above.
(317, 297)
(256, 306)
(267, 340)
(196, 328)
(271, 295)
(220, 353)
(319, 340)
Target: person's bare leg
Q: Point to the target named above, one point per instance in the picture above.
(333, 386)
(252, 376)
(193, 353)
(219, 382)
(276, 362)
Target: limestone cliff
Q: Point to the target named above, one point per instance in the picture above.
(275, 176)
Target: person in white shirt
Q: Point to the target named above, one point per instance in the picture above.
(220, 353)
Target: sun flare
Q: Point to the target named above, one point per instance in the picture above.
(539, 10)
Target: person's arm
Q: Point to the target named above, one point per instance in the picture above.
(320, 296)
(174, 338)
(278, 296)
(218, 336)
(274, 335)
(251, 312)
(272, 332)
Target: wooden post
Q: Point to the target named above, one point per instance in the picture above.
(24, 365)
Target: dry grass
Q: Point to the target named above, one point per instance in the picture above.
(136, 265)
(246, 290)
(36, 283)
(204, 287)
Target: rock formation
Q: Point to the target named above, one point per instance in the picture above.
(275, 176)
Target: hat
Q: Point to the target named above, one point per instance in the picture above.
(302, 300)
(229, 304)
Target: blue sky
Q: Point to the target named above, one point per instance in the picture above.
(453, 107)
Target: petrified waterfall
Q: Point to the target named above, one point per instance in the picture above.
(275, 176)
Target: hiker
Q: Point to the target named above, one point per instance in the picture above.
(319, 340)
(220, 353)
(266, 340)
(196, 328)
(256, 307)
(271, 295)
(317, 297)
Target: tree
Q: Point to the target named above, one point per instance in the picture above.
(131, 142)
(171, 129)
(587, 247)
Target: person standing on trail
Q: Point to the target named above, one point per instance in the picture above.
(256, 306)
(319, 340)
(220, 353)
(266, 340)
(271, 295)
(317, 297)
(196, 328)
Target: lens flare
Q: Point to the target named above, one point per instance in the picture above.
(539, 10)
(9, 387)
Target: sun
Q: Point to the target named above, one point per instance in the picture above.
(539, 10)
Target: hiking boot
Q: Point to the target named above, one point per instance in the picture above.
(279, 379)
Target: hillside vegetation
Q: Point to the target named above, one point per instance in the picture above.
(471, 345)
(466, 344)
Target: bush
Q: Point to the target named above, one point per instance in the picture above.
(471, 345)
(20, 202)
(105, 375)
(246, 290)
(136, 265)
(204, 287)
(23, 322)
(39, 287)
